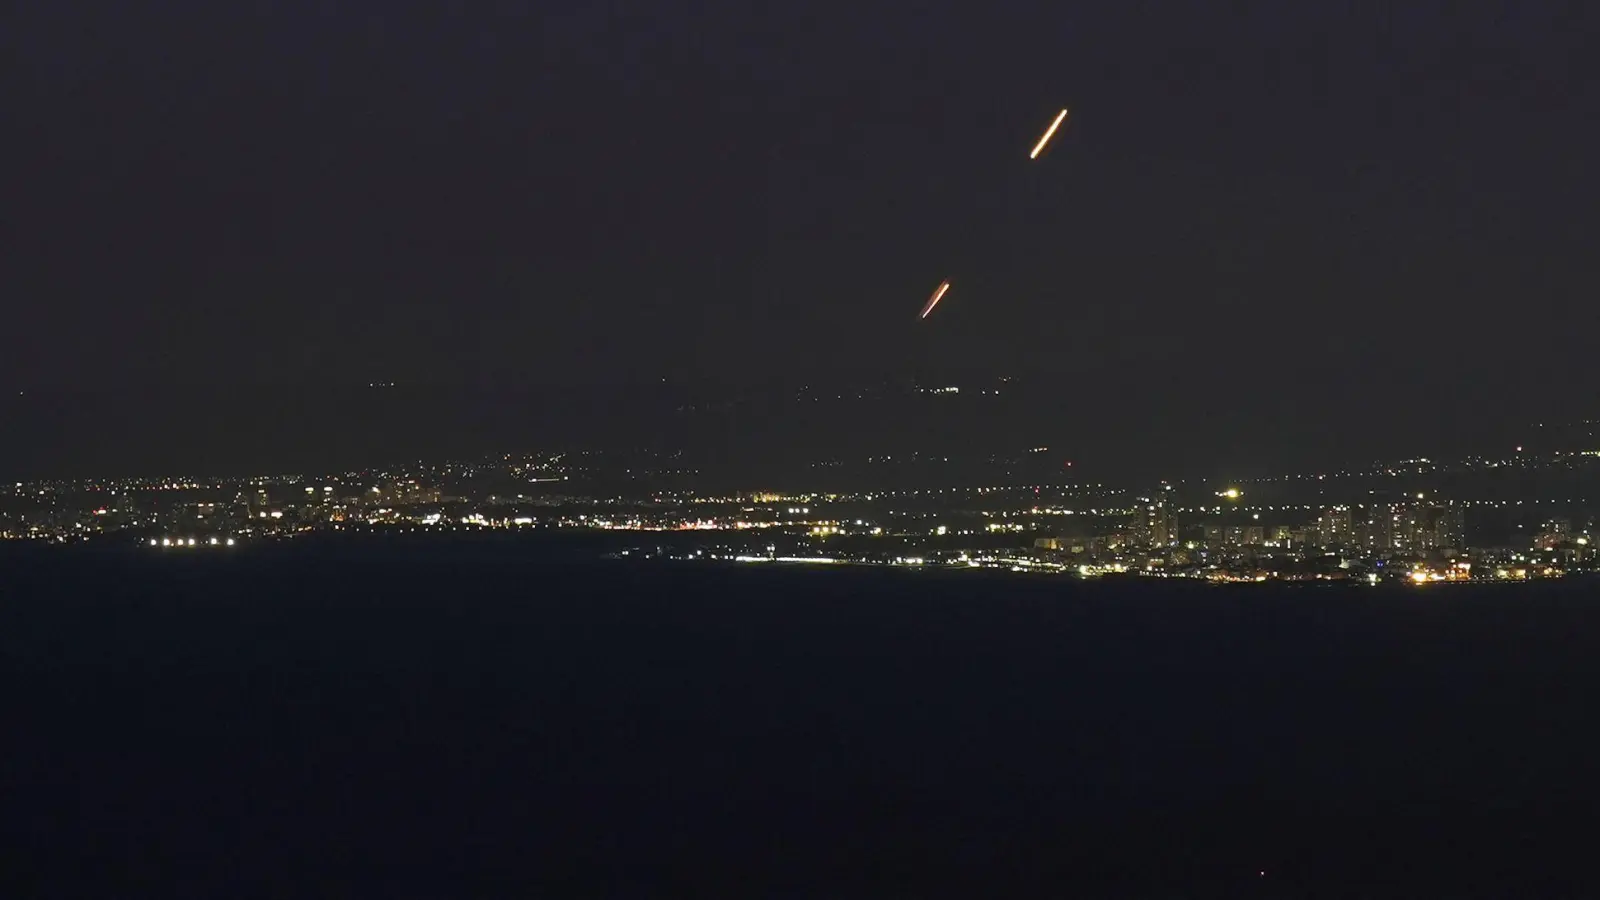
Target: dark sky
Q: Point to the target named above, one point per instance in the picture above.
(1245, 195)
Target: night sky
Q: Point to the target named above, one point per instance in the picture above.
(1396, 201)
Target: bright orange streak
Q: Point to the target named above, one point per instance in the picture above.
(1049, 131)
(934, 300)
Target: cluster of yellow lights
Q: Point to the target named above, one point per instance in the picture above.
(189, 542)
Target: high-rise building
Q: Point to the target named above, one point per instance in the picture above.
(1155, 522)
(1409, 531)
(1139, 530)
(256, 503)
(1336, 527)
(1163, 524)
(1375, 528)
(1553, 534)
(1450, 528)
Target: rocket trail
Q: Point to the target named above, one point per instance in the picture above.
(1048, 132)
(934, 300)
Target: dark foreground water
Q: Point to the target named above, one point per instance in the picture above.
(488, 720)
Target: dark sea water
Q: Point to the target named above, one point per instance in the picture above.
(510, 719)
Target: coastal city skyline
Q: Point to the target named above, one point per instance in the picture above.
(1528, 513)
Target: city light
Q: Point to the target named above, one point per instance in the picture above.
(1380, 529)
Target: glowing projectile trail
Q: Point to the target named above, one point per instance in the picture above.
(1048, 132)
(934, 300)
